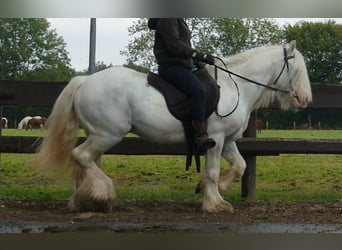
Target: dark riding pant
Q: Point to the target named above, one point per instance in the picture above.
(186, 82)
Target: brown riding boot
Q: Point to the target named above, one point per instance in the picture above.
(202, 142)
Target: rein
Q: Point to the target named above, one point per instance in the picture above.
(255, 82)
(286, 63)
(236, 86)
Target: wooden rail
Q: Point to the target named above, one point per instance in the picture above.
(15, 93)
(247, 146)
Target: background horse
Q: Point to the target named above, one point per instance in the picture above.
(259, 125)
(118, 100)
(4, 122)
(22, 124)
(35, 122)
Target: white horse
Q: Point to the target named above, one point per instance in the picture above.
(23, 123)
(113, 102)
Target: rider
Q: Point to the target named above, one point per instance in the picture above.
(175, 58)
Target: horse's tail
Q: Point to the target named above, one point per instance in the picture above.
(61, 129)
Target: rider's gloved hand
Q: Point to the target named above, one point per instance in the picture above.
(206, 58)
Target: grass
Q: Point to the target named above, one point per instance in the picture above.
(310, 134)
(34, 132)
(284, 177)
(299, 177)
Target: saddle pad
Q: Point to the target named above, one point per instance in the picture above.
(177, 102)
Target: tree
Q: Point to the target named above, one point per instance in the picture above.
(321, 45)
(29, 50)
(135, 67)
(99, 65)
(222, 37)
(234, 35)
(139, 50)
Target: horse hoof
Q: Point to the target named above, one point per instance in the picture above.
(223, 207)
(91, 205)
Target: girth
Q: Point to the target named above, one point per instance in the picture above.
(179, 106)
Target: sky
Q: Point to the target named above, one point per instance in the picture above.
(111, 37)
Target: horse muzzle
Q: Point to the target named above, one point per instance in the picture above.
(298, 101)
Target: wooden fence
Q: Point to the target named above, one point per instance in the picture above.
(15, 93)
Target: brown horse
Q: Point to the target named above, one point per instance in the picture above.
(36, 123)
(259, 125)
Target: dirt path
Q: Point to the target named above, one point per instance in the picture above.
(147, 216)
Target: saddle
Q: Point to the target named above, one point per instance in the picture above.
(179, 105)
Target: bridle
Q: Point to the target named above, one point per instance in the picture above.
(230, 73)
(286, 63)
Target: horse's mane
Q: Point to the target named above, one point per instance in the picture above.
(241, 58)
(244, 56)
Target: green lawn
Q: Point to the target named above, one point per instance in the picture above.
(284, 177)
(313, 134)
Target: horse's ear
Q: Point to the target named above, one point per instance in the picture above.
(292, 46)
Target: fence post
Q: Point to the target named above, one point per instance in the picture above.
(248, 190)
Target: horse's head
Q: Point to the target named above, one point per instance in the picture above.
(294, 78)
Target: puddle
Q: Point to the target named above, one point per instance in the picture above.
(8, 226)
(287, 228)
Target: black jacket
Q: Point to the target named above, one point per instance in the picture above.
(172, 42)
